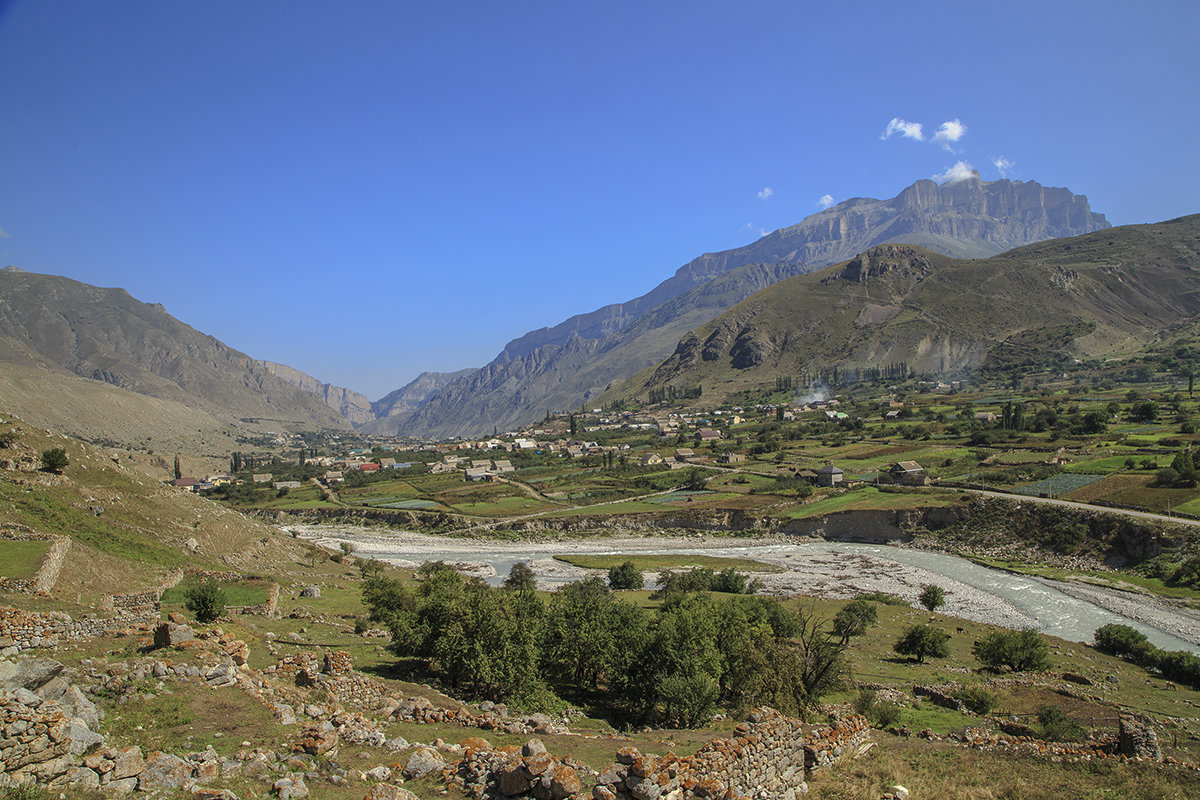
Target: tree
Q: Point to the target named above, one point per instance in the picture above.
(1119, 640)
(178, 468)
(1146, 411)
(854, 619)
(923, 641)
(1185, 468)
(1020, 651)
(205, 600)
(932, 596)
(54, 460)
(626, 576)
(521, 578)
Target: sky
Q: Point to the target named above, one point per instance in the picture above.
(368, 190)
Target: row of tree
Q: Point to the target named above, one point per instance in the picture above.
(675, 665)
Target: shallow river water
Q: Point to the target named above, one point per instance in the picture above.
(829, 569)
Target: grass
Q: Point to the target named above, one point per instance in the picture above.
(655, 563)
(22, 559)
(870, 498)
(237, 593)
(1058, 485)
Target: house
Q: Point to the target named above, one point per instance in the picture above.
(684, 454)
(286, 485)
(369, 466)
(829, 475)
(440, 466)
(892, 415)
(189, 484)
(732, 458)
(331, 477)
(399, 465)
(650, 459)
(480, 463)
(261, 477)
(708, 434)
(908, 473)
(505, 466)
(387, 463)
(985, 416)
(479, 474)
(806, 475)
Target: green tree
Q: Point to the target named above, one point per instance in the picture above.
(54, 460)
(206, 600)
(625, 576)
(854, 619)
(1184, 467)
(521, 578)
(932, 596)
(923, 641)
(178, 468)
(1020, 651)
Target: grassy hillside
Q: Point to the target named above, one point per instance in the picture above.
(1109, 292)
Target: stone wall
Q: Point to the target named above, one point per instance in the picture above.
(22, 630)
(47, 575)
(772, 756)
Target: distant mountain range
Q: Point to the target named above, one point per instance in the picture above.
(1115, 290)
(561, 367)
(59, 325)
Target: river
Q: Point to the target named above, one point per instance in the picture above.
(811, 567)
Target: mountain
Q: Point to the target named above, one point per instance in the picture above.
(106, 335)
(559, 367)
(347, 402)
(1083, 297)
(391, 411)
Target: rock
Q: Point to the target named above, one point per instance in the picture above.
(164, 771)
(899, 792)
(192, 545)
(33, 673)
(169, 634)
(27, 698)
(222, 674)
(123, 786)
(603, 793)
(380, 773)
(533, 747)
(423, 761)
(128, 763)
(202, 793)
(318, 739)
(1136, 738)
(565, 782)
(83, 778)
(291, 787)
(82, 739)
(284, 714)
(387, 791)
(310, 591)
(514, 780)
(397, 744)
(75, 704)
(474, 743)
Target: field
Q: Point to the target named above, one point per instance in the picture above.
(22, 559)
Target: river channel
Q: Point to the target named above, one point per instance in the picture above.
(821, 568)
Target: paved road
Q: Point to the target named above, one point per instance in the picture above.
(1087, 507)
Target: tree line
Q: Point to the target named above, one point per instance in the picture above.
(675, 665)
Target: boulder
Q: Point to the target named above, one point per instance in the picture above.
(128, 763)
(387, 791)
(380, 773)
(169, 634)
(423, 761)
(31, 673)
(164, 771)
(514, 780)
(533, 747)
(310, 591)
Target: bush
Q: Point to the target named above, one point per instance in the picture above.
(205, 600)
(1186, 574)
(1118, 640)
(54, 459)
(932, 596)
(1020, 651)
(978, 699)
(882, 597)
(626, 576)
(1056, 726)
(880, 713)
(1179, 666)
(923, 641)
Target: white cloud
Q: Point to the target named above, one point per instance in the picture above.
(949, 132)
(763, 232)
(765, 193)
(826, 201)
(1003, 165)
(906, 129)
(961, 171)
(5, 234)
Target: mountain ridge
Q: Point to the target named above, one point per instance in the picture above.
(546, 370)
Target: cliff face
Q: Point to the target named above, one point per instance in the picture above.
(390, 412)
(547, 369)
(350, 404)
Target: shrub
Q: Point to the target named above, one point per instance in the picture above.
(923, 641)
(1056, 726)
(882, 597)
(626, 576)
(978, 699)
(1118, 640)
(1179, 665)
(1186, 574)
(1021, 651)
(880, 713)
(54, 460)
(205, 600)
(932, 596)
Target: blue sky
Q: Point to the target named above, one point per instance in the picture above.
(368, 190)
